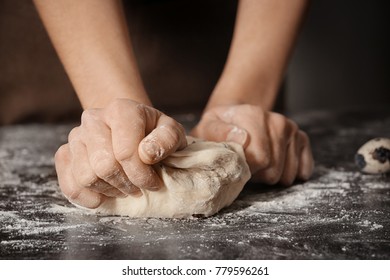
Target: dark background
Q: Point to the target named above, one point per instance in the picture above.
(340, 62)
(342, 57)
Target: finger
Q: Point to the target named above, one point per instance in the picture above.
(168, 137)
(290, 168)
(258, 150)
(83, 173)
(80, 196)
(219, 131)
(97, 138)
(129, 122)
(114, 192)
(306, 163)
(81, 169)
(273, 173)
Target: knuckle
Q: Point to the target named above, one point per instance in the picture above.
(283, 125)
(86, 179)
(264, 161)
(74, 134)
(61, 153)
(125, 154)
(147, 113)
(133, 111)
(88, 115)
(140, 109)
(172, 133)
(104, 166)
(117, 107)
(304, 138)
(295, 127)
(279, 121)
(254, 110)
(272, 176)
(112, 109)
(260, 161)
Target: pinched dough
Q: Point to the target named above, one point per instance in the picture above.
(201, 179)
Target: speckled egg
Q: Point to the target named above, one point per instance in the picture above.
(374, 156)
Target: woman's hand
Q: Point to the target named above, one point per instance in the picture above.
(275, 149)
(110, 154)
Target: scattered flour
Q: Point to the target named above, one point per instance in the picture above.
(370, 225)
(59, 209)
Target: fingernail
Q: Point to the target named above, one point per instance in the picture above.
(130, 189)
(154, 188)
(136, 193)
(122, 195)
(153, 150)
(237, 135)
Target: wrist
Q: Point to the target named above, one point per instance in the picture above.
(237, 90)
(100, 97)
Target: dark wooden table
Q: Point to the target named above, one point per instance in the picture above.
(339, 214)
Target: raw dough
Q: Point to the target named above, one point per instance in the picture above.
(201, 179)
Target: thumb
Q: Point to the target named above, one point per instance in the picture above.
(219, 131)
(161, 142)
(238, 135)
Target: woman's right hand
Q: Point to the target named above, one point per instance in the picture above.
(110, 154)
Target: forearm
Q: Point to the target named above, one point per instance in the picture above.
(262, 42)
(92, 41)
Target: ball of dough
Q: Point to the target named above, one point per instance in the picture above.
(374, 156)
(201, 179)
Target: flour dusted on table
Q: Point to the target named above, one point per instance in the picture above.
(201, 179)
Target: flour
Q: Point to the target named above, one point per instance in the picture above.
(376, 185)
(59, 209)
(370, 225)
